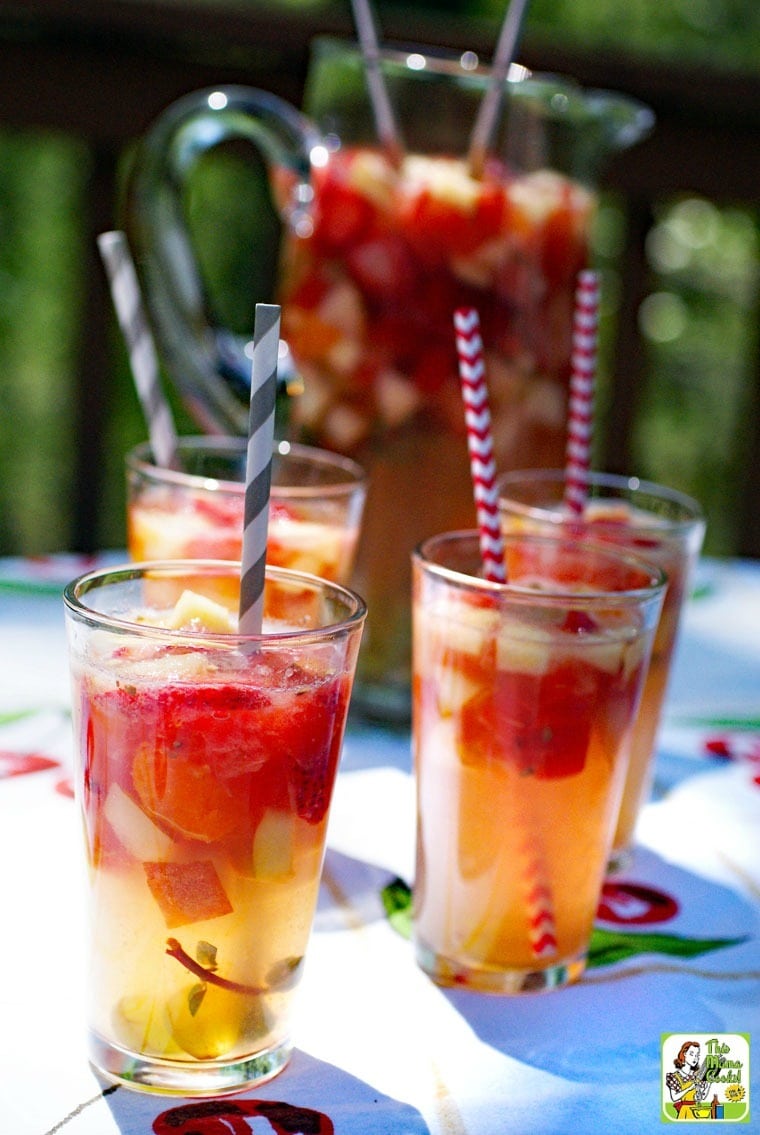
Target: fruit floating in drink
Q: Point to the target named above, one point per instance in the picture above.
(524, 701)
(316, 505)
(666, 528)
(207, 765)
(369, 296)
(368, 301)
(376, 256)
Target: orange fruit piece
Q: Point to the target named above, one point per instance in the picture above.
(183, 794)
(187, 892)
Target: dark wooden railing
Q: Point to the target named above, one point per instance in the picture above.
(102, 70)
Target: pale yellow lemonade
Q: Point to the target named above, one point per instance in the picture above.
(523, 720)
(207, 776)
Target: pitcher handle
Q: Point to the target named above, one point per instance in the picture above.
(207, 363)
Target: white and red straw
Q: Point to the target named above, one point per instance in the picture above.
(536, 889)
(258, 473)
(542, 930)
(477, 416)
(580, 418)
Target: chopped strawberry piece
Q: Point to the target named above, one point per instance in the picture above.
(344, 215)
(433, 369)
(316, 749)
(541, 725)
(219, 510)
(187, 892)
(383, 266)
(563, 252)
(309, 292)
(439, 229)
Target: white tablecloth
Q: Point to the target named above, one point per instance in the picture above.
(380, 1049)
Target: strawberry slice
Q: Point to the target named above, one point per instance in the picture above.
(344, 215)
(315, 751)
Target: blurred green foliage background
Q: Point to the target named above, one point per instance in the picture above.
(699, 319)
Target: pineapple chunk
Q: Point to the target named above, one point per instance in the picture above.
(134, 830)
(273, 850)
(606, 656)
(467, 628)
(375, 178)
(196, 612)
(453, 689)
(446, 179)
(141, 1023)
(523, 648)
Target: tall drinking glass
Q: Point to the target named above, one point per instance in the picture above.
(665, 526)
(525, 696)
(205, 764)
(196, 510)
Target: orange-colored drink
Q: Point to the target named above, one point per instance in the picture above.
(206, 764)
(196, 511)
(524, 700)
(660, 524)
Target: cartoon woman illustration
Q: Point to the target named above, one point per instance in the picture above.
(687, 1085)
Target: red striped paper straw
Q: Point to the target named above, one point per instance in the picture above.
(472, 375)
(143, 360)
(536, 889)
(580, 419)
(258, 474)
(542, 930)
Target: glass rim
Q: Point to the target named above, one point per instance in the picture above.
(440, 61)
(138, 460)
(530, 595)
(691, 509)
(75, 591)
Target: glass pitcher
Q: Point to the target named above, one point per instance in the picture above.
(377, 251)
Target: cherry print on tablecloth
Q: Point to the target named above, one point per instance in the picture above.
(13, 763)
(634, 904)
(229, 1117)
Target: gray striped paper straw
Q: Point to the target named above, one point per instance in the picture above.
(258, 473)
(125, 292)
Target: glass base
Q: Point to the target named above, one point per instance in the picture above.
(186, 1078)
(460, 975)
